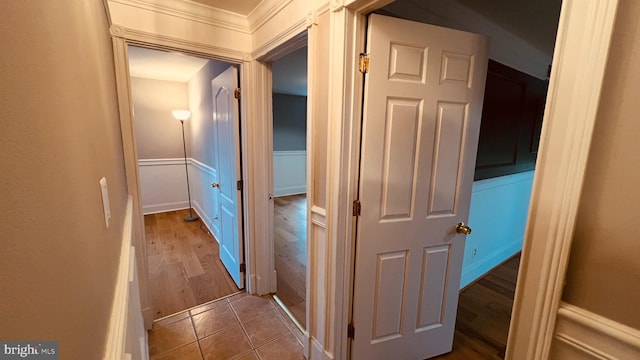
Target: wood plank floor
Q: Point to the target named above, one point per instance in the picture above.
(484, 314)
(184, 264)
(290, 218)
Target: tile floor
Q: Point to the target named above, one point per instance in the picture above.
(240, 327)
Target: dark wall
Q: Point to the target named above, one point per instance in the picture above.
(289, 122)
(511, 122)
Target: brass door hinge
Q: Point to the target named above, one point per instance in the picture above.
(363, 63)
(351, 331)
(357, 208)
(243, 268)
(236, 93)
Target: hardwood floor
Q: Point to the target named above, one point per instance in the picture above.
(484, 308)
(184, 264)
(484, 314)
(290, 218)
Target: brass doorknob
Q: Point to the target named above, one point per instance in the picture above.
(215, 185)
(461, 228)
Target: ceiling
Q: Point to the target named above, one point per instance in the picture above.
(289, 72)
(243, 7)
(163, 65)
(534, 21)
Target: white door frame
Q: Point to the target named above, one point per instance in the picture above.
(578, 68)
(121, 38)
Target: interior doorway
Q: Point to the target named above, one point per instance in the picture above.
(289, 170)
(184, 258)
(520, 137)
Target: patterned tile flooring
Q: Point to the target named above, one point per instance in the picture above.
(239, 327)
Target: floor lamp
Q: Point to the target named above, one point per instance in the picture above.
(183, 115)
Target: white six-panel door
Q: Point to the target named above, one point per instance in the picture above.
(226, 117)
(422, 108)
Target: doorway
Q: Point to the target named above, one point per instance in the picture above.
(480, 258)
(184, 258)
(289, 104)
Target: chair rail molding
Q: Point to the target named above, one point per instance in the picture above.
(594, 336)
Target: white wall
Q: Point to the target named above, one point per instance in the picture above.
(289, 172)
(163, 185)
(498, 217)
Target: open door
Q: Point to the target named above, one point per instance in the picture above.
(227, 119)
(422, 108)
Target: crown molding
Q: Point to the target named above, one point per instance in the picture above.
(193, 11)
(266, 10)
(135, 37)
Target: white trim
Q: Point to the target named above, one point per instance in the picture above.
(496, 257)
(289, 153)
(319, 216)
(204, 167)
(115, 345)
(317, 352)
(501, 181)
(193, 11)
(268, 52)
(163, 42)
(122, 37)
(264, 12)
(125, 106)
(582, 48)
(160, 162)
(165, 207)
(594, 336)
(126, 325)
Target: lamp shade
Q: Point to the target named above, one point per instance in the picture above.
(181, 115)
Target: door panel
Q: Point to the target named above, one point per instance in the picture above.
(227, 120)
(422, 106)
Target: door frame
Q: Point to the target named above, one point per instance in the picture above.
(579, 61)
(121, 38)
(264, 58)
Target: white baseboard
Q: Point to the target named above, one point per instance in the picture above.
(584, 335)
(290, 190)
(487, 263)
(205, 218)
(317, 352)
(160, 208)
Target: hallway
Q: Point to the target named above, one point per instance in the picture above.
(257, 328)
(184, 266)
(239, 327)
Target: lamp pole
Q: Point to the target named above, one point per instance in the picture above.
(182, 117)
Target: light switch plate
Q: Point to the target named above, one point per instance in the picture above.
(105, 201)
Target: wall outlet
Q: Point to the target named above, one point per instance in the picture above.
(475, 252)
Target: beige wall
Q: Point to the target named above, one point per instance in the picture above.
(158, 133)
(604, 268)
(60, 134)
